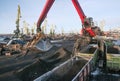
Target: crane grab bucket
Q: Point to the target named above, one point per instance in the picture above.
(43, 45)
(41, 42)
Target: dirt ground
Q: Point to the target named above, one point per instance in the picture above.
(19, 67)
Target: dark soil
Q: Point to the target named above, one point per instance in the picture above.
(27, 67)
(20, 67)
(70, 74)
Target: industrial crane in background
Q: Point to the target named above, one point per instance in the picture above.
(44, 30)
(102, 24)
(17, 31)
(33, 29)
(25, 27)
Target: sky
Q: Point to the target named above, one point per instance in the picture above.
(62, 14)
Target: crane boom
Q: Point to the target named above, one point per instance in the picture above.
(79, 10)
(44, 12)
(86, 22)
(39, 40)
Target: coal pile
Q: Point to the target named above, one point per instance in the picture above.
(43, 64)
(75, 68)
(33, 71)
(64, 72)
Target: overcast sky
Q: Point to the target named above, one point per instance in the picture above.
(62, 14)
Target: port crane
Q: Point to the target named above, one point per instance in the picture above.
(42, 43)
(89, 31)
(17, 31)
(87, 23)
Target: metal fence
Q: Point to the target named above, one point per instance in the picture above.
(90, 66)
(84, 73)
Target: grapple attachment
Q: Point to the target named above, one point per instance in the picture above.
(40, 42)
(43, 45)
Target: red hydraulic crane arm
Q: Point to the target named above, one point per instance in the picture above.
(43, 14)
(83, 17)
(79, 10)
(76, 4)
